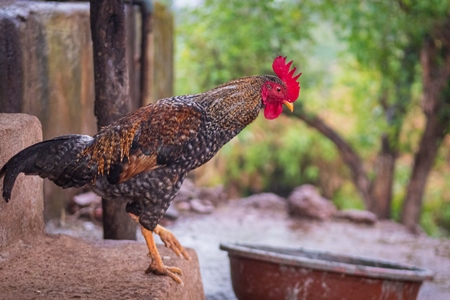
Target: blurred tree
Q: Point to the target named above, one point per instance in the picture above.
(435, 61)
(221, 40)
(375, 33)
(391, 41)
(231, 39)
(389, 37)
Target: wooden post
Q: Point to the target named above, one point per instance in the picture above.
(111, 94)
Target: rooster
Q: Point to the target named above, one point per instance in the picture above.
(143, 158)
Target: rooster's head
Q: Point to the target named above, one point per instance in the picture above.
(275, 94)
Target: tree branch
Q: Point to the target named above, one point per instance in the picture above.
(350, 157)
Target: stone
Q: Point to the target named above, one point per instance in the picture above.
(86, 199)
(64, 267)
(201, 200)
(201, 206)
(357, 216)
(306, 202)
(187, 191)
(216, 195)
(182, 206)
(172, 213)
(268, 201)
(22, 217)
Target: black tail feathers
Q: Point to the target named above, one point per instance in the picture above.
(57, 159)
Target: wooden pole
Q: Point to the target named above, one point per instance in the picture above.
(111, 94)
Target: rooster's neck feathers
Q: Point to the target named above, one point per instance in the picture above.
(238, 101)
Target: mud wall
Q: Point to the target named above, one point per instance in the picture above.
(46, 69)
(22, 217)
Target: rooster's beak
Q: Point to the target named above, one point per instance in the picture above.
(289, 105)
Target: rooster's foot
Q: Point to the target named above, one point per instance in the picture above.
(172, 272)
(171, 242)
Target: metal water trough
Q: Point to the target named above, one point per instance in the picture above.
(263, 272)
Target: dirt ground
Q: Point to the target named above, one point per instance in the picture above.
(64, 267)
(240, 222)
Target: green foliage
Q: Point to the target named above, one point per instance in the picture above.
(402, 172)
(435, 218)
(377, 33)
(347, 198)
(361, 72)
(276, 158)
(222, 40)
(443, 219)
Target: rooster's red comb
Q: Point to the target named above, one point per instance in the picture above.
(282, 69)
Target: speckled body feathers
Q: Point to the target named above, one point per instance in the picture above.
(144, 157)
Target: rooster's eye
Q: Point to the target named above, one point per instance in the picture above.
(278, 89)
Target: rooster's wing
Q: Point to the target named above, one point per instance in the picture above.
(152, 137)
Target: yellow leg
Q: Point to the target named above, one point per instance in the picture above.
(171, 242)
(157, 266)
